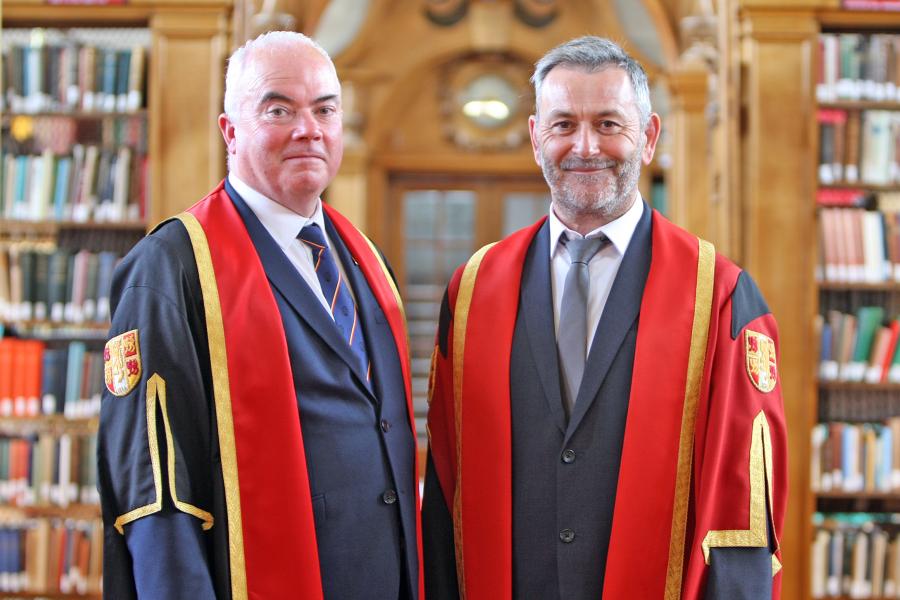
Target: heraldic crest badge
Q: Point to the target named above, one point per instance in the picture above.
(759, 350)
(122, 363)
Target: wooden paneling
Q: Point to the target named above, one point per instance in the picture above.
(187, 81)
(779, 235)
(690, 179)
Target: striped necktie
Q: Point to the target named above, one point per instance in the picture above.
(337, 294)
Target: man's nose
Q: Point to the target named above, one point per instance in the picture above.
(587, 142)
(306, 126)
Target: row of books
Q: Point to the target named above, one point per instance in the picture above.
(855, 556)
(51, 556)
(858, 66)
(859, 146)
(857, 404)
(856, 457)
(32, 134)
(859, 246)
(48, 469)
(91, 183)
(73, 76)
(39, 380)
(859, 347)
(40, 282)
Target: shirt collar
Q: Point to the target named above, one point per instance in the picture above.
(618, 231)
(282, 223)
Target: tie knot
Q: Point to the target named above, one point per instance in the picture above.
(582, 250)
(312, 235)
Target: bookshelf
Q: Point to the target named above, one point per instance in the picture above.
(855, 443)
(775, 57)
(108, 122)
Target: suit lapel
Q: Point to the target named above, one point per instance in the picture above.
(291, 286)
(535, 297)
(622, 308)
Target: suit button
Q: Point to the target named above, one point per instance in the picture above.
(385, 425)
(568, 456)
(566, 536)
(389, 497)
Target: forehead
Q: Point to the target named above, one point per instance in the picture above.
(572, 89)
(292, 70)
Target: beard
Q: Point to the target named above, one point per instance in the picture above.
(595, 195)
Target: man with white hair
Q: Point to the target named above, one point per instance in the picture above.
(256, 435)
(605, 413)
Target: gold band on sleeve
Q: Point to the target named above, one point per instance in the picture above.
(156, 392)
(760, 496)
(153, 444)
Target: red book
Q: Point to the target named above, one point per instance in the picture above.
(57, 557)
(34, 355)
(891, 350)
(885, 5)
(840, 197)
(20, 377)
(7, 368)
(831, 115)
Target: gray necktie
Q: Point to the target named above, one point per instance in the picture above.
(571, 339)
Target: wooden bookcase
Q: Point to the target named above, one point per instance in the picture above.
(867, 502)
(188, 43)
(185, 82)
(779, 147)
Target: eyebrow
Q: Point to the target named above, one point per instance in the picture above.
(270, 96)
(568, 114)
(558, 112)
(325, 98)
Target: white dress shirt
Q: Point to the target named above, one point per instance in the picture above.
(284, 226)
(602, 268)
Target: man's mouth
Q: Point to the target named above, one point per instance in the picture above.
(587, 167)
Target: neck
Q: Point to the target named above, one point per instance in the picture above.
(586, 221)
(305, 207)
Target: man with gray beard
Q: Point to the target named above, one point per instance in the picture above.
(605, 409)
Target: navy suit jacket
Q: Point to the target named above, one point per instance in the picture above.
(359, 446)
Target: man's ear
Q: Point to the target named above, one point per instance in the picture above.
(651, 131)
(227, 129)
(535, 144)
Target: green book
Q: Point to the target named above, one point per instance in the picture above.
(26, 264)
(41, 280)
(56, 289)
(4, 462)
(90, 289)
(868, 319)
(68, 311)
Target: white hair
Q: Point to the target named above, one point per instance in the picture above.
(271, 40)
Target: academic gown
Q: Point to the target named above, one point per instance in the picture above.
(212, 482)
(678, 432)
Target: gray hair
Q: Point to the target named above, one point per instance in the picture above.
(592, 54)
(237, 62)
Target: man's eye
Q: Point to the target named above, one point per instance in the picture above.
(608, 125)
(277, 112)
(327, 110)
(562, 125)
